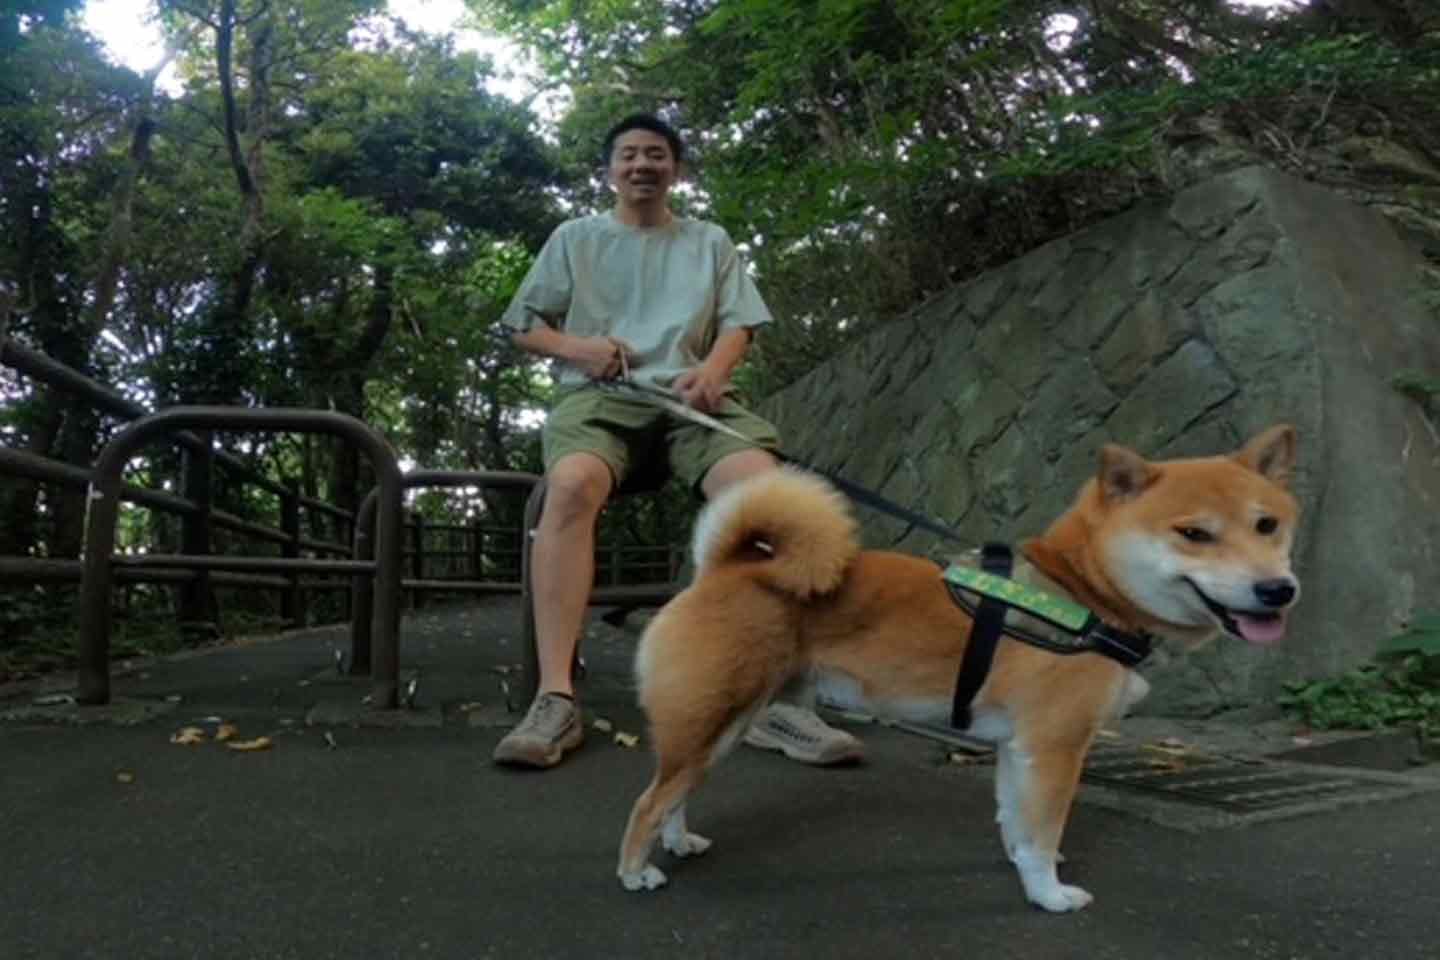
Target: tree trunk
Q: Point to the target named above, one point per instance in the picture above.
(348, 475)
(229, 325)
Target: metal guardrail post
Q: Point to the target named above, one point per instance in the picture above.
(197, 483)
(103, 508)
(292, 601)
(417, 559)
(477, 549)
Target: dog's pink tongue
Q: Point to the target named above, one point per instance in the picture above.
(1261, 630)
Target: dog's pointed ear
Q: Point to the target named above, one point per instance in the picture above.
(1124, 474)
(1271, 454)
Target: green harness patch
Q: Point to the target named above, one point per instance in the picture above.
(1066, 614)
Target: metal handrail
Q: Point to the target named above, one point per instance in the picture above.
(99, 564)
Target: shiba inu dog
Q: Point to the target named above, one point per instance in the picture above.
(1180, 549)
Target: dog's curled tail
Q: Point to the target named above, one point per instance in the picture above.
(793, 524)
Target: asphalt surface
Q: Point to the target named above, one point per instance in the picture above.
(358, 836)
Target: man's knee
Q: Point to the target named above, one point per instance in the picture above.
(576, 488)
(734, 468)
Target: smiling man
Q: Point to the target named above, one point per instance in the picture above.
(667, 300)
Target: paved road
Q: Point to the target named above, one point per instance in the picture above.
(372, 841)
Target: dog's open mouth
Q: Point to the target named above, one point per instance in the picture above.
(1258, 627)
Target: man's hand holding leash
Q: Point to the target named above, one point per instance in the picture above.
(602, 358)
(701, 388)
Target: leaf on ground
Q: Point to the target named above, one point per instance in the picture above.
(1169, 747)
(188, 736)
(960, 759)
(249, 746)
(54, 700)
(226, 731)
(603, 725)
(124, 776)
(626, 740)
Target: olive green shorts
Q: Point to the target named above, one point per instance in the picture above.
(637, 438)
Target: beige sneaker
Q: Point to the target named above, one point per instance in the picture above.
(551, 729)
(801, 735)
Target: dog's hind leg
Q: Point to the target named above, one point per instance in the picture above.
(662, 801)
(677, 839)
(1039, 787)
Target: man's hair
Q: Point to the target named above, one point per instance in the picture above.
(645, 121)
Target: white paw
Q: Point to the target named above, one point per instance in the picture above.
(688, 845)
(1063, 898)
(650, 878)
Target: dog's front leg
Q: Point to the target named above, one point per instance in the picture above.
(1034, 791)
(1007, 803)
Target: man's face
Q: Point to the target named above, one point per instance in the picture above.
(642, 168)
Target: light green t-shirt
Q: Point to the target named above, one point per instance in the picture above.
(666, 291)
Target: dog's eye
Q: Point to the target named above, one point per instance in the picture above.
(1266, 526)
(1195, 534)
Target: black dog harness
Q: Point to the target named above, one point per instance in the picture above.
(988, 593)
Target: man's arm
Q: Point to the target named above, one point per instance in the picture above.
(599, 358)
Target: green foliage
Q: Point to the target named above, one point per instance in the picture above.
(1120, 126)
(1401, 689)
(1421, 637)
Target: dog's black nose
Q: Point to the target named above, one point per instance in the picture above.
(1275, 593)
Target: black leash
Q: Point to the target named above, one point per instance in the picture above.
(862, 495)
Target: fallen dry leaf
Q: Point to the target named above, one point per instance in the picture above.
(54, 700)
(1171, 748)
(226, 731)
(603, 725)
(247, 746)
(968, 759)
(188, 736)
(626, 740)
(124, 776)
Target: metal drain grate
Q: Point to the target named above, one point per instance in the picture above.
(1193, 790)
(1230, 784)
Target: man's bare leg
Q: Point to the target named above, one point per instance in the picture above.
(562, 570)
(790, 724)
(562, 563)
